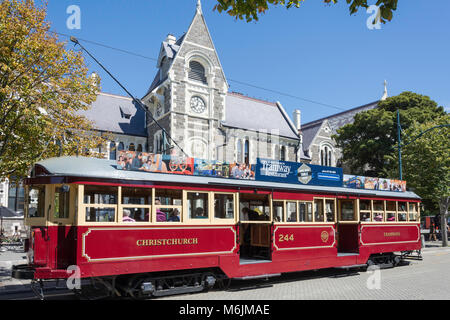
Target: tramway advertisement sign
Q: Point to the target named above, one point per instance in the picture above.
(298, 173)
(359, 182)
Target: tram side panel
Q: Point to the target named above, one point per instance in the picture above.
(105, 251)
(385, 238)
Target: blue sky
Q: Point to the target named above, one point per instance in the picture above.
(317, 52)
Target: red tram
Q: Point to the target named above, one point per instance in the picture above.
(151, 234)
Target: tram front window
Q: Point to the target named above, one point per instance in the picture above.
(36, 202)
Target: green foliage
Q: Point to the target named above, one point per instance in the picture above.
(42, 86)
(426, 160)
(251, 9)
(372, 137)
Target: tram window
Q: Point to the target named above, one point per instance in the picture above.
(330, 210)
(291, 212)
(61, 203)
(100, 195)
(141, 196)
(390, 216)
(318, 211)
(223, 206)
(278, 210)
(413, 212)
(347, 211)
(364, 216)
(402, 216)
(378, 205)
(391, 206)
(94, 214)
(364, 205)
(305, 211)
(402, 207)
(36, 202)
(169, 197)
(197, 205)
(138, 214)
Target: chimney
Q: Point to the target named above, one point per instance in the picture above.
(171, 39)
(298, 120)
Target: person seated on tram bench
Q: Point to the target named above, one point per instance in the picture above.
(126, 216)
(378, 217)
(174, 216)
(199, 213)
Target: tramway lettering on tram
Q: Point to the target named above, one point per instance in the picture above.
(166, 242)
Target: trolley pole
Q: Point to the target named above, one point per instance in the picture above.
(399, 132)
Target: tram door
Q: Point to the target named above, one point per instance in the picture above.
(348, 227)
(255, 227)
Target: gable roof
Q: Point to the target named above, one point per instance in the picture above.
(116, 114)
(257, 115)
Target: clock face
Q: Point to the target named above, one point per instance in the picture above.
(198, 105)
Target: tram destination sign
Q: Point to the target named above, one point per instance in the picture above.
(298, 173)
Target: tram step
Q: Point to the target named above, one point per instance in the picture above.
(353, 266)
(261, 276)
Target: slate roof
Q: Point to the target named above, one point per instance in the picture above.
(116, 114)
(257, 115)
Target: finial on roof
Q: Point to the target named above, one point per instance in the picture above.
(385, 94)
(199, 6)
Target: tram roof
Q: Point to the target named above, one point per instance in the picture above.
(83, 167)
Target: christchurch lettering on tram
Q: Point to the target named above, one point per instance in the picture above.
(166, 242)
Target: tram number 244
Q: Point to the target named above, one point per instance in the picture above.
(285, 237)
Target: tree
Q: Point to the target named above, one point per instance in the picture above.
(426, 163)
(367, 142)
(250, 9)
(42, 87)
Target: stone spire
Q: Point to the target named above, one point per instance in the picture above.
(199, 6)
(385, 94)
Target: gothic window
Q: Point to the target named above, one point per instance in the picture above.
(139, 148)
(131, 147)
(326, 156)
(197, 72)
(239, 151)
(283, 153)
(121, 147)
(112, 151)
(247, 151)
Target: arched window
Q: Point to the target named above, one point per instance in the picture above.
(121, 147)
(283, 153)
(112, 151)
(139, 148)
(197, 72)
(239, 151)
(247, 151)
(131, 147)
(326, 156)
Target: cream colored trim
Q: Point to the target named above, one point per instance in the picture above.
(83, 252)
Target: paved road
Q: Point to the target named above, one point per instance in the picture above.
(427, 279)
(418, 280)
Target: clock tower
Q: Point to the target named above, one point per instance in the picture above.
(187, 96)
